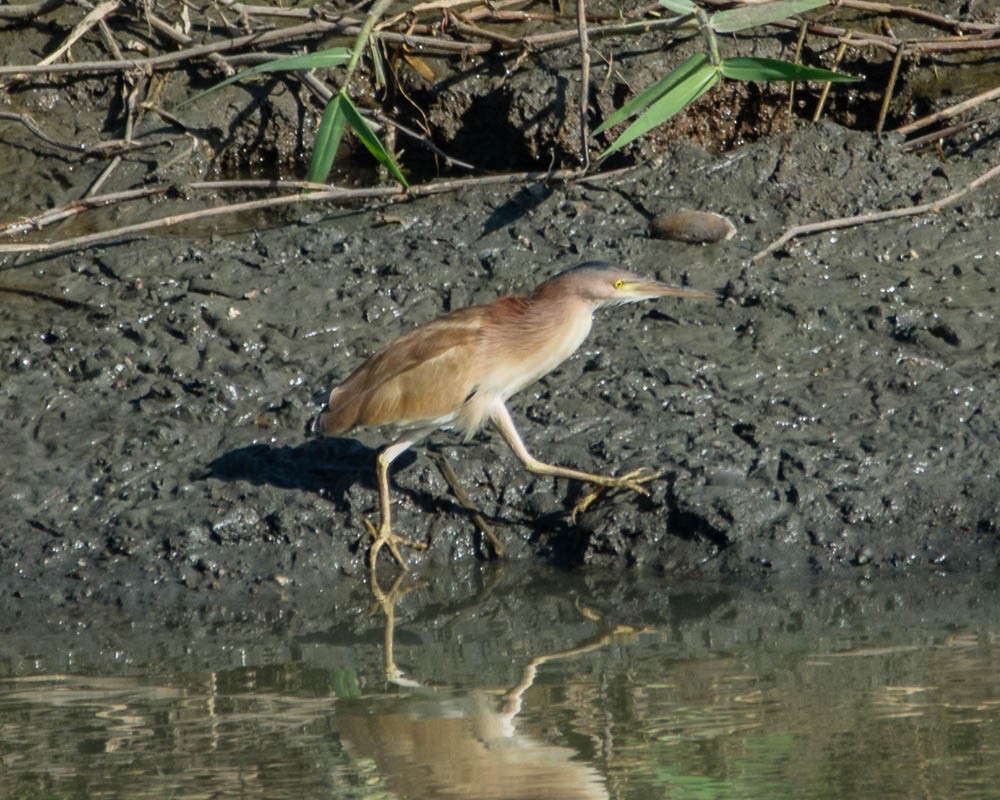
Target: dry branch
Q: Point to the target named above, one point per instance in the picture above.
(322, 193)
(581, 24)
(920, 15)
(951, 111)
(876, 216)
(30, 10)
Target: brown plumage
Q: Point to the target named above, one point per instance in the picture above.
(457, 371)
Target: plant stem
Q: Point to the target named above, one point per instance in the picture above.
(359, 44)
(709, 34)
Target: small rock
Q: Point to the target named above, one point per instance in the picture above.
(694, 227)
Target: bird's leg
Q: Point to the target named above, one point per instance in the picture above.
(630, 480)
(448, 473)
(383, 535)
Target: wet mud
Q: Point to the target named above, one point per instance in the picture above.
(836, 414)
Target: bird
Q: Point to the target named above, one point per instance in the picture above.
(456, 372)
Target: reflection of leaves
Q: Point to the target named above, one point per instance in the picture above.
(691, 787)
(344, 683)
(755, 773)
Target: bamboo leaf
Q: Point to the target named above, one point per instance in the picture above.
(653, 93)
(368, 138)
(332, 57)
(679, 6)
(685, 93)
(773, 69)
(738, 19)
(331, 131)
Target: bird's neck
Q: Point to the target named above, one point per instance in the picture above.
(547, 331)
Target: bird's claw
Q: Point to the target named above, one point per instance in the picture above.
(632, 480)
(383, 535)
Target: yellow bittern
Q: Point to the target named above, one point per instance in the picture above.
(457, 371)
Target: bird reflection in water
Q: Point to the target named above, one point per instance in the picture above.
(434, 743)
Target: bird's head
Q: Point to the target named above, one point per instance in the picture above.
(604, 284)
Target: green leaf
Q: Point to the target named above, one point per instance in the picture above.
(738, 19)
(679, 6)
(332, 57)
(370, 140)
(331, 131)
(773, 69)
(651, 94)
(682, 95)
(377, 63)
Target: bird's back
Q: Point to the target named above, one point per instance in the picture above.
(423, 376)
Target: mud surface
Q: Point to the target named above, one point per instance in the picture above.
(837, 414)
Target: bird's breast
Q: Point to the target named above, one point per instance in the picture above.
(535, 345)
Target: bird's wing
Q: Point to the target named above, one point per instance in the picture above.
(423, 376)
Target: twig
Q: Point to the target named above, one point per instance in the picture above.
(79, 206)
(29, 123)
(77, 242)
(944, 133)
(442, 5)
(59, 213)
(918, 14)
(841, 49)
(954, 46)
(432, 44)
(109, 39)
(103, 148)
(30, 10)
(170, 59)
(890, 87)
(325, 194)
(951, 111)
(861, 39)
(877, 216)
(168, 30)
(420, 138)
(459, 23)
(93, 17)
(803, 28)
(581, 26)
(269, 11)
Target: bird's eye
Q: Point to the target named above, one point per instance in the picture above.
(619, 283)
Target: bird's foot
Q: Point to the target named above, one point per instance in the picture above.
(630, 480)
(383, 536)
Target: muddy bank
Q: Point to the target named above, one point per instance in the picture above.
(480, 627)
(838, 414)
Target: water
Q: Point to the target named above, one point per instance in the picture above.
(517, 686)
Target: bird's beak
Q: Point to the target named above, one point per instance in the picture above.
(649, 289)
